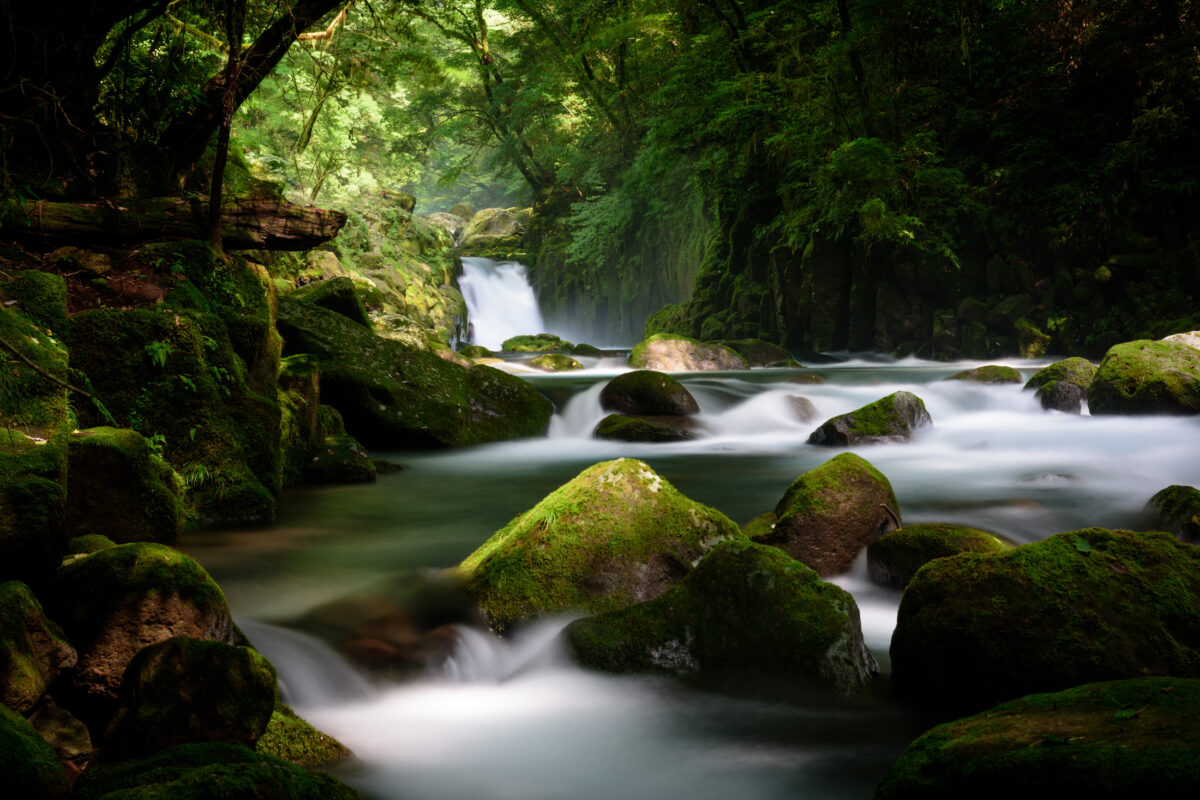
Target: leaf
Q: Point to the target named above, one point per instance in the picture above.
(1082, 545)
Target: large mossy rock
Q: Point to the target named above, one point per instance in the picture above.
(33, 650)
(1078, 607)
(830, 513)
(1146, 377)
(671, 353)
(29, 768)
(290, 738)
(339, 459)
(645, 392)
(118, 600)
(1063, 385)
(616, 534)
(896, 556)
(187, 691)
(990, 373)
(555, 362)
(894, 418)
(336, 294)
(1112, 740)
(744, 608)
(391, 395)
(625, 428)
(1178, 508)
(208, 771)
(536, 343)
(33, 510)
(121, 488)
(759, 353)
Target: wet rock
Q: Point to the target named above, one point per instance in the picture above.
(30, 767)
(476, 351)
(33, 650)
(894, 418)
(626, 428)
(1178, 508)
(582, 349)
(450, 223)
(555, 362)
(69, 737)
(744, 608)
(647, 393)
(1146, 377)
(671, 353)
(616, 534)
(991, 373)
(337, 295)
(289, 738)
(802, 408)
(759, 353)
(1063, 385)
(536, 343)
(896, 556)
(830, 513)
(1078, 607)
(339, 459)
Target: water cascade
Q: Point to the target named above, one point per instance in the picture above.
(500, 301)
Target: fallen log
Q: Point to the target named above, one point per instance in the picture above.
(245, 224)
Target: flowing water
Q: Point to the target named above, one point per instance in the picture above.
(500, 302)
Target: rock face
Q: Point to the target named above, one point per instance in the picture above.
(992, 373)
(1131, 738)
(29, 765)
(624, 428)
(830, 513)
(1063, 385)
(1146, 377)
(896, 557)
(1078, 607)
(32, 649)
(670, 353)
(1179, 508)
(647, 393)
(744, 607)
(184, 691)
(759, 353)
(890, 419)
(338, 295)
(617, 534)
(118, 600)
(490, 227)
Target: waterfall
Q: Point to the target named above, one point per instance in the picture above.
(500, 301)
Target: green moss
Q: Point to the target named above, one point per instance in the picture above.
(819, 491)
(88, 544)
(615, 534)
(291, 739)
(32, 648)
(32, 506)
(647, 392)
(338, 295)
(622, 428)
(1147, 377)
(992, 373)
(40, 297)
(1031, 341)
(1179, 507)
(28, 399)
(761, 525)
(536, 343)
(759, 353)
(1108, 740)
(339, 459)
(892, 418)
(555, 362)
(896, 557)
(1077, 371)
(29, 765)
(586, 350)
(476, 351)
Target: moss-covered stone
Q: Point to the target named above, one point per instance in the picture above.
(589, 350)
(672, 353)
(1063, 385)
(121, 488)
(338, 295)
(30, 767)
(339, 459)
(990, 373)
(759, 353)
(476, 351)
(894, 418)
(393, 396)
(744, 608)
(33, 650)
(289, 738)
(647, 393)
(207, 771)
(536, 343)
(555, 362)
(625, 428)
(1107, 740)
(760, 526)
(33, 497)
(830, 513)
(616, 534)
(185, 691)
(1083, 606)
(1178, 508)
(1147, 377)
(68, 736)
(896, 556)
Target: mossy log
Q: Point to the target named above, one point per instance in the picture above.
(245, 224)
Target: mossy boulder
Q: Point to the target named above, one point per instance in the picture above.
(290, 738)
(185, 691)
(338, 295)
(339, 459)
(67, 735)
(81, 546)
(990, 373)
(33, 650)
(490, 227)
(589, 350)
(671, 353)
(33, 312)
(1063, 385)
(1190, 338)
(33, 511)
(207, 771)
(1110, 740)
(30, 767)
(121, 488)
(830, 513)
(759, 353)
(1147, 377)
(625, 428)
(894, 418)
(744, 608)
(555, 362)
(475, 351)
(647, 393)
(616, 534)
(896, 556)
(536, 343)
(391, 395)
(1083, 606)
(1178, 508)
(118, 600)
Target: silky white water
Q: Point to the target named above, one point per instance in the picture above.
(500, 302)
(516, 720)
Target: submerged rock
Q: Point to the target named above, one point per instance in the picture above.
(896, 556)
(1063, 385)
(672, 353)
(626, 428)
(1178, 508)
(830, 513)
(616, 534)
(744, 608)
(894, 418)
(1118, 739)
(1083, 606)
(991, 373)
(33, 650)
(1146, 377)
(645, 392)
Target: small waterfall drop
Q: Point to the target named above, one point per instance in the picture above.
(500, 302)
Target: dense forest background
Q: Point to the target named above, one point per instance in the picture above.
(951, 178)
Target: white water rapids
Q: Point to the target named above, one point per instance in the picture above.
(500, 302)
